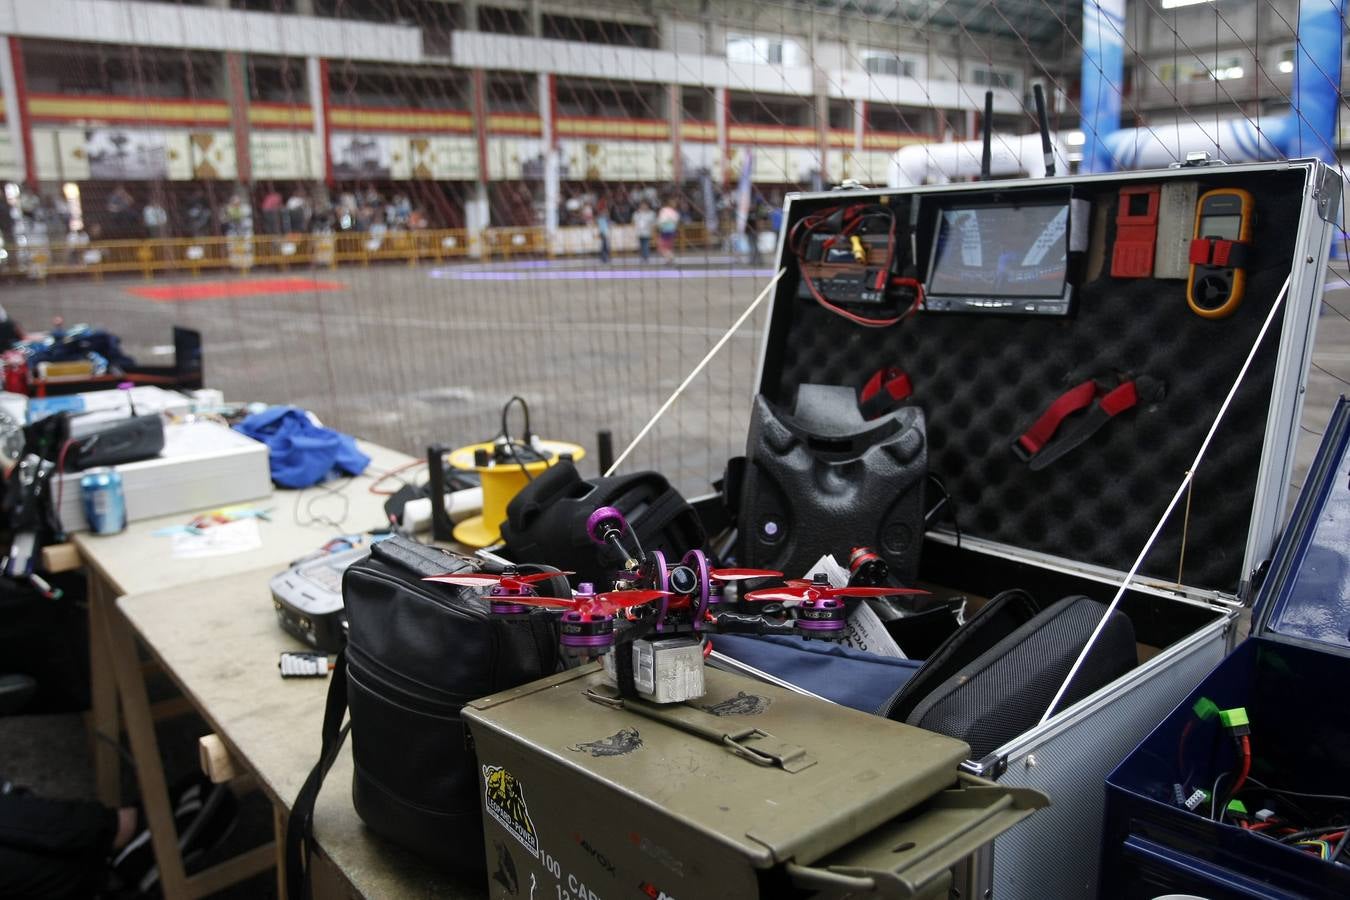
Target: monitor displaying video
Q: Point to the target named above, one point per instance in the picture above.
(1001, 258)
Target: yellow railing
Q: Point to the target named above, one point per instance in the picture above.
(157, 256)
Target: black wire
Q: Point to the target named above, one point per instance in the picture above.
(1261, 784)
(951, 506)
(1308, 832)
(326, 490)
(1340, 846)
(510, 442)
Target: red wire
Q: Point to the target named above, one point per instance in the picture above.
(1181, 746)
(1246, 765)
(811, 223)
(390, 474)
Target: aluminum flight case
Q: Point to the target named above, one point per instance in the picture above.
(1076, 526)
(750, 791)
(1285, 676)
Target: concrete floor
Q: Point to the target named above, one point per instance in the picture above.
(410, 355)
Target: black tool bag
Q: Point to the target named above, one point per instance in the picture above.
(994, 677)
(546, 521)
(416, 653)
(821, 479)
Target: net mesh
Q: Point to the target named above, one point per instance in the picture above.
(429, 182)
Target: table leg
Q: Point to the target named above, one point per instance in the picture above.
(279, 816)
(121, 646)
(105, 726)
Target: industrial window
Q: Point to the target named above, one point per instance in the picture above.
(882, 62)
(774, 51)
(994, 78)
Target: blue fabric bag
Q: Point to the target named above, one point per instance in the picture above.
(853, 678)
(299, 452)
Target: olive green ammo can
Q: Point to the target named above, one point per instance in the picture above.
(752, 791)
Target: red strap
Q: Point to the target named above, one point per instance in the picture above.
(1069, 402)
(1221, 251)
(1200, 249)
(894, 381)
(1122, 398)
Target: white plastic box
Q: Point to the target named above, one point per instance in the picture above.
(203, 465)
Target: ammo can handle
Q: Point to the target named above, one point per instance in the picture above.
(903, 857)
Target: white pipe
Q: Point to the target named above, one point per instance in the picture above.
(1009, 155)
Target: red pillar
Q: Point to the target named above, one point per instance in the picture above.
(239, 124)
(326, 105)
(480, 117)
(25, 124)
(675, 109)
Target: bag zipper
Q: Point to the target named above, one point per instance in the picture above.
(392, 694)
(410, 686)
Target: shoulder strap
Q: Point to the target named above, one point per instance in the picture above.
(300, 824)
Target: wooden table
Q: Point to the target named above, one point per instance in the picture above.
(137, 561)
(219, 643)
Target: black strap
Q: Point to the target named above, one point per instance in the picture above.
(300, 825)
(1045, 442)
(884, 392)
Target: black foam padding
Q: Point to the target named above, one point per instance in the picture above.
(993, 682)
(822, 480)
(981, 380)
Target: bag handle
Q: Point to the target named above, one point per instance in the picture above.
(300, 823)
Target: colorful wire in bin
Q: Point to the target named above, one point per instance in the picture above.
(1279, 815)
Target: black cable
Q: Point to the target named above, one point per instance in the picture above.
(1340, 846)
(1261, 784)
(950, 504)
(1308, 833)
(509, 442)
(326, 490)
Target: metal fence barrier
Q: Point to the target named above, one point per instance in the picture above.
(157, 256)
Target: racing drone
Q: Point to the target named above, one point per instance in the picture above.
(651, 631)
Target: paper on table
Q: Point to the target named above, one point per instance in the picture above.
(218, 540)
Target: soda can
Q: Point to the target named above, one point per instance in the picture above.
(105, 507)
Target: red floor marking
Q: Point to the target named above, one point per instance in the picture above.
(211, 290)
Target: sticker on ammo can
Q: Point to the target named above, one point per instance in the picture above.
(504, 799)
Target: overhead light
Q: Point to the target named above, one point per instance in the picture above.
(1228, 74)
(1286, 66)
(1075, 138)
(1173, 4)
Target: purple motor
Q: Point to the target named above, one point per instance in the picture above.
(824, 618)
(586, 633)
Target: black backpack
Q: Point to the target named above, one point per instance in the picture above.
(416, 653)
(546, 521)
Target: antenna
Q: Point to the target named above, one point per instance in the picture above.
(987, 130)
(1046, 150)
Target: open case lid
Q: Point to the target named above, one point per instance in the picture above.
(982, 379)
(1306, 596)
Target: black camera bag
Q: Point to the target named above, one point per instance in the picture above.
(416, 653)
(546, 521)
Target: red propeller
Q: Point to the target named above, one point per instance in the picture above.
(798, 591)
(606, 604)
(484, 579)
(743, 574)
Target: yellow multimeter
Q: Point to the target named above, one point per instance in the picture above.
(1219, 246)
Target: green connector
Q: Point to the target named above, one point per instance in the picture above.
(1205, 709)
(1237, 807)
(1233, 718)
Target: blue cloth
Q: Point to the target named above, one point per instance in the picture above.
(301, 453)
(863, 681)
